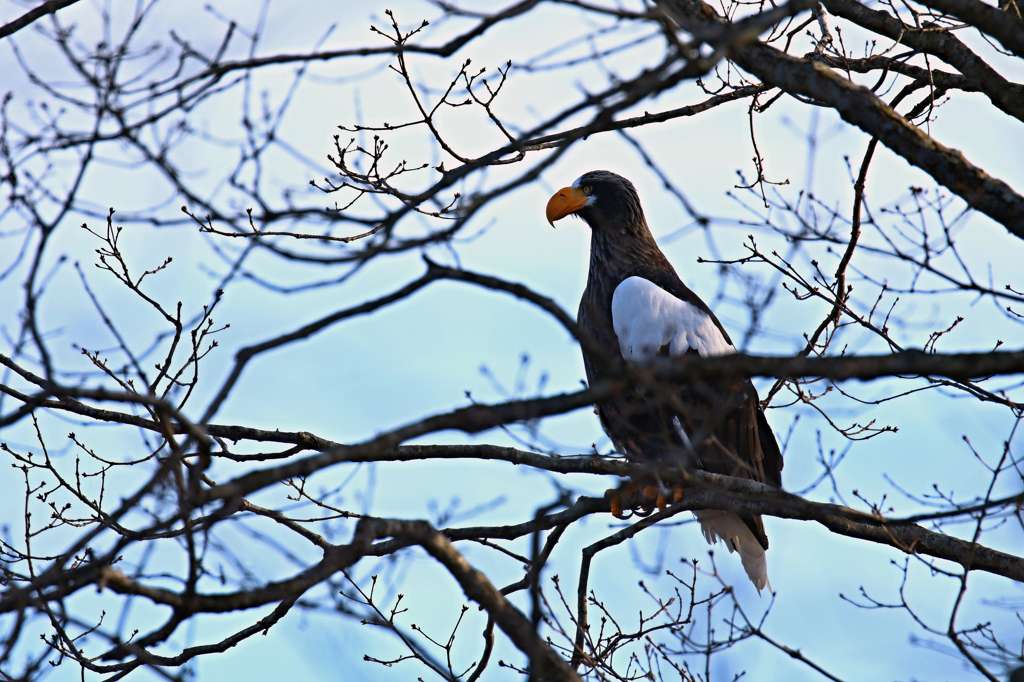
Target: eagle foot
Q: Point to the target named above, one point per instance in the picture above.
(641, 501)
(623, 497)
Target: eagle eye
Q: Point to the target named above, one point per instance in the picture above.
(586, 189)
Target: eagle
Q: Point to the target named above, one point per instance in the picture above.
(636, 307)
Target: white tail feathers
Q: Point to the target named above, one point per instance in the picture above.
(738, 538)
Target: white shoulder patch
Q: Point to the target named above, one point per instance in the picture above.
(646, 317)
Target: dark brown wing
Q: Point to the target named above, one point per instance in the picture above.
(740, 441)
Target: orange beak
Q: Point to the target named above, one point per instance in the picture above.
(565, 201)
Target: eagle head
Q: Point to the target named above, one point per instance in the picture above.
(606, 201)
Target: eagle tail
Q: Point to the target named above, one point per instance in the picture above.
(731, 529)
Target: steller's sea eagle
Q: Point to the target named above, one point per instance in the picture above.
(636, 307)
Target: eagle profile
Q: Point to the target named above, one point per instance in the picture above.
(636, 307)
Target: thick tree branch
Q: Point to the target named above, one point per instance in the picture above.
(545, 664)
(911, 538)
(1000, 24)
(703, 491)
(859, 106)
(48, 7)
(959, 366)
(1006, 95)
(481, 417)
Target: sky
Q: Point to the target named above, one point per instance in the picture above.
(422, 355)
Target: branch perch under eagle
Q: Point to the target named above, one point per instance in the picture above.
(635, 306)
